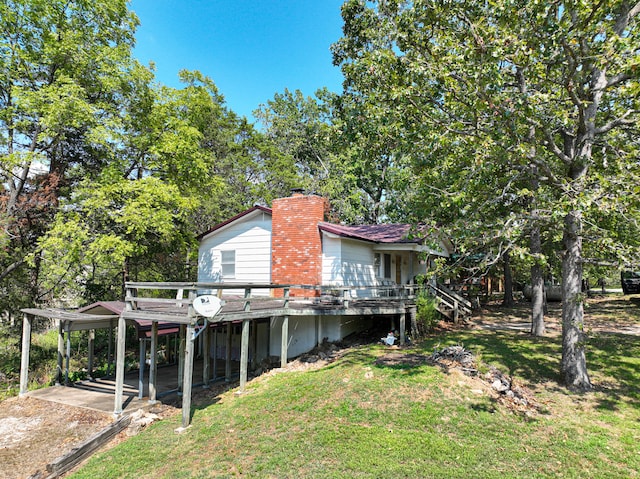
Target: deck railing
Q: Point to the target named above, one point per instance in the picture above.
(146, 300)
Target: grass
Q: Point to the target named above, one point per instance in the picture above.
(364, 417)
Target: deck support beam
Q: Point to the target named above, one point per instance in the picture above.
(244, 353)
(143, 360)
(60, 352)
(90, 348)
(215, 353)
(206, 355)
(285, 342)
(227, 355)
(67, 353)
(181, 357)
(188, 375)
(153, 365)
(24, 359)
(122, 337)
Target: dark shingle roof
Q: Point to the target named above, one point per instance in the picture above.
(389, 233)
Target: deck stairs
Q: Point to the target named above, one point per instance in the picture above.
(451, 305)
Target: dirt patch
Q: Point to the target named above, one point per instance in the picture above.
(34, 432)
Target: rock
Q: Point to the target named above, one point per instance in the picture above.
(499, 386)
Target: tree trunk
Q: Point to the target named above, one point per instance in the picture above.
(574, 363)
(508, 281)
(537, 285)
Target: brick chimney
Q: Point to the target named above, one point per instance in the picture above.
(296, 249)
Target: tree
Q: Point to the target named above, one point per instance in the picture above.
(302, 130)
(62, 67)
(545, 95)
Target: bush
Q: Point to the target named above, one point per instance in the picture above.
(427, 314)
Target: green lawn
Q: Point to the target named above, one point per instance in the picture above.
(364, 417)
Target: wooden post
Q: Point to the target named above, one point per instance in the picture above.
(285, 342)
(254, 345)
(110, 348)
(227, 355)
(456, 311)
(67, 354)
(90, 347)
(122, 337)
(188, 375)
(143, 360)
(402, 327)
(24, 361)
(181, 358)
(206, 357)
(60, 352)
(153, 365)
(244, 354)
(215, 353)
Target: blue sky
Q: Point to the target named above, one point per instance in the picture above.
(251, 49)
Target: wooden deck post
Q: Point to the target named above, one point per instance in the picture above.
(110, 348)
(90, 347)
(206, 355)
(24, 360)
(215, 353)
(285, 342)
(402, 329)
(122, 337)
(188, 375)
(60, 352)
(227, 355)
(254, 345)
(181, 358)
(143, 360)
(153, 366)
(244, 354)
(67, 353)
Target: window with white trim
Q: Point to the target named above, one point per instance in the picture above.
(228, 263)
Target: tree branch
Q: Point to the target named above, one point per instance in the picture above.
(615, 123)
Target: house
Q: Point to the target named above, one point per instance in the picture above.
(288, 250)
(291, 243)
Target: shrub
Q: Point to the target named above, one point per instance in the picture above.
(427, 314)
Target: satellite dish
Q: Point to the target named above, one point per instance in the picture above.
(207, 305)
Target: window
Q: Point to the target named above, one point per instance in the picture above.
(228, 264)
(387, 266)
(382, 265)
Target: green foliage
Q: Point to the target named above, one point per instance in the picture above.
(427, 314)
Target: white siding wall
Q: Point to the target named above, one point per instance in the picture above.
(251, 241)
(357, 263)
(347, 262)
(331, 261)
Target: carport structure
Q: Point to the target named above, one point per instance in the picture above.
(160, 313)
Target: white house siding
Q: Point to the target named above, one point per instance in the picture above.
(250, 238)
(358, 263)
(347, 262)
(331, 261)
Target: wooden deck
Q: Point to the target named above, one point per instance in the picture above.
(158, 303)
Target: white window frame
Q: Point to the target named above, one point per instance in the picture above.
(228, 263)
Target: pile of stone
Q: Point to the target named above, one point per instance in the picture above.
(513, 396)
(518, 396)
(455, 357)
